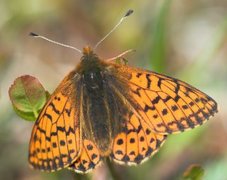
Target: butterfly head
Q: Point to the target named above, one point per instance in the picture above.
(87, 50)
(88, 55)
(90, 62)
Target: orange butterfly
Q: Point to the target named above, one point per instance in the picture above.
(108, 109)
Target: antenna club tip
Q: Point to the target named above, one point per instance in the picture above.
(33, 34)
(129, 12)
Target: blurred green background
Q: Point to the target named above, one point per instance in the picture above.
(183, 39)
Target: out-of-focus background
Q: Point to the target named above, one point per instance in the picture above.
(183, 39)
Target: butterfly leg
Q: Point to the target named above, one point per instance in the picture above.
(120, 56)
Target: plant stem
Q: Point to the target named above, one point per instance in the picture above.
(112, 170)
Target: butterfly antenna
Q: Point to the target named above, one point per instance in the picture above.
(128, 13)
(55, 42)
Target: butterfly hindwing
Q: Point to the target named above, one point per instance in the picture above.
(55, 140)
(168, 105)
(89, 158)
(136, 143)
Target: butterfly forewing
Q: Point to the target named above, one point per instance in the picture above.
(55, 140)
(168, 105)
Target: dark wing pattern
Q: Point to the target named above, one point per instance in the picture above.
(89, 158)
(56, 141)
(168, 105)
(136, 143)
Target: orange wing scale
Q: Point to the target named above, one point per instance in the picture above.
(168, 105)
(136, 143)
(89, 158)
(55, 140)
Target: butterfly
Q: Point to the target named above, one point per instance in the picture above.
(109, 109)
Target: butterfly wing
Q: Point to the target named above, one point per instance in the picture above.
(167, 105)
(136, 143)
(55, 140)
(89, 158)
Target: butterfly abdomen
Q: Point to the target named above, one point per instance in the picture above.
(96, 121)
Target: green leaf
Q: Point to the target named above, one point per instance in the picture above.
(27, 96)
(194, 172)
